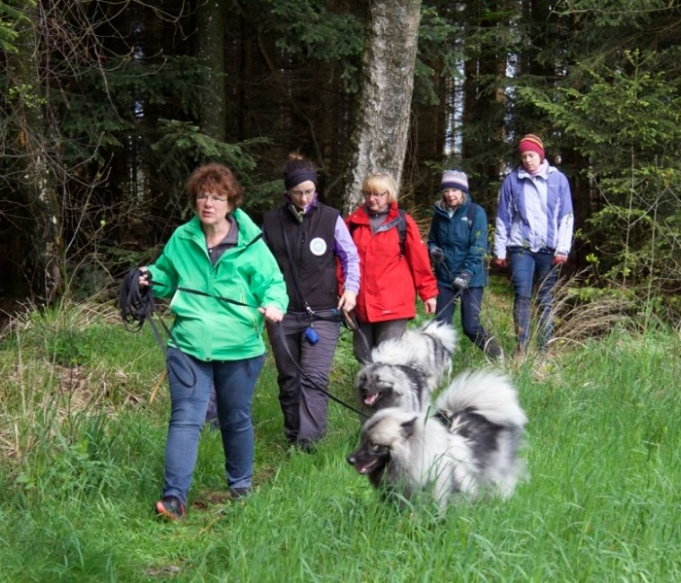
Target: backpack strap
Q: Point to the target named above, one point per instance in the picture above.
(402, 228)
(470, 215)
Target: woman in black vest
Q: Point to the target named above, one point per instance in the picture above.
(308, 239)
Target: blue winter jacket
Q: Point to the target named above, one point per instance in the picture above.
(464, 244)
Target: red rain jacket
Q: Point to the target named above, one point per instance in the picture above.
(389, 280)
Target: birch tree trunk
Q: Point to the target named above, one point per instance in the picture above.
(381, 129)
(34, 150)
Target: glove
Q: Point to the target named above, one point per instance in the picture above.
(461, 280)
(437, 254)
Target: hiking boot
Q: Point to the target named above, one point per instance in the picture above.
(306, 445)
(493, 351)
(237, 493)
(170, 508)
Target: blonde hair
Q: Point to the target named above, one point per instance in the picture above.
(380, 182)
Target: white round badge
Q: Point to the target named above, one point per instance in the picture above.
(318, 246)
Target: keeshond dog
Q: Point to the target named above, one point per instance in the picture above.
(467, 447)
(403, 372)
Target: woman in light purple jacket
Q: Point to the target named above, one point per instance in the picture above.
(533, 235)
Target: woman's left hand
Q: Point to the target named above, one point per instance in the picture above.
(430, 305)
(272, 314)
(347, 301)
(559, 259)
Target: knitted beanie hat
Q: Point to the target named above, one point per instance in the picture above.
(454, 179)
(532, 143)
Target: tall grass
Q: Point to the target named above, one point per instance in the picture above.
(82, 463)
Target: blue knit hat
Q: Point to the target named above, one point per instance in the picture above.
(454, 179)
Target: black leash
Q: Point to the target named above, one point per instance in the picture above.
(137, 306)
(454, 299)
(197, 292)
(280, 330)
(336, 316)
(351, 323)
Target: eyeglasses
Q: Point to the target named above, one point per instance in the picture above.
(375, 194)
(214, 199)
(302, 193)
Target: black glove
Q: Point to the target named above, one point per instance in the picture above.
(437, 254)
(461, 280)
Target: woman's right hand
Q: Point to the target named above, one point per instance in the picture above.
(503, 263)
(272, 314)
(144, 280)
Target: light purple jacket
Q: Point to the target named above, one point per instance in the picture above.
(534, 212)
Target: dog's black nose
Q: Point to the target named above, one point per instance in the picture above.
(351, 460)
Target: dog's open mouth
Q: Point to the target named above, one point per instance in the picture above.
(367, 466)
(369, 400)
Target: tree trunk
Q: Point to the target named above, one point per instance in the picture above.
(484, 104)
(43, 244)
(210, 15)
(381, 128)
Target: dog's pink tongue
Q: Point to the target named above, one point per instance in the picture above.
(371, 399)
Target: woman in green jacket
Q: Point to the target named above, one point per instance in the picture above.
(220, 254)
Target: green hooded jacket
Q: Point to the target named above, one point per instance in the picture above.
(211, 329)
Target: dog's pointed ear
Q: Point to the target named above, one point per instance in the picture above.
(408, 427)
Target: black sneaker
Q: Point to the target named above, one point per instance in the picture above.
(493, 351)
(306, 445)
(236, 493)
(170, 508)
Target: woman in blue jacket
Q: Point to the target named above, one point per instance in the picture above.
(458, 243)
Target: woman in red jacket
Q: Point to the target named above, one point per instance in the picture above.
(394, 266)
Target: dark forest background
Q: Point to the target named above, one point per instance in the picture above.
(107, 106)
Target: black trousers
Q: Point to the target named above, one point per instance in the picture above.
(303, 368)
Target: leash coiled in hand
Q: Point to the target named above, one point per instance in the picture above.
(136, 305)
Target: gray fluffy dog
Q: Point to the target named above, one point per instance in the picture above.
(469, 446)
(403, 372)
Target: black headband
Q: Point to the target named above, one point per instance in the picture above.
(295, 177)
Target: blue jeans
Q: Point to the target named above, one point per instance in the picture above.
(190, 382)
(471, 302)
(526, 269)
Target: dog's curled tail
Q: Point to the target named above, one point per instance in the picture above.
(443, 332)
(490, 393)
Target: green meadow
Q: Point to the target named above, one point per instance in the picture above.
(83, 417)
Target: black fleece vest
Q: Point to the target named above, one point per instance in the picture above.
(310, 253)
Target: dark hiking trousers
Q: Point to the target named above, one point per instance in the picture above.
(471, 302)
(370, 334)
(303, 368)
